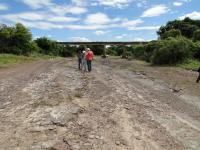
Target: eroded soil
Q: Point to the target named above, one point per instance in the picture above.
(120, 105)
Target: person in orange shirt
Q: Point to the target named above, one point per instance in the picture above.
(89, 57)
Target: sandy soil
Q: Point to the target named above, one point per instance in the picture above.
(120, 105)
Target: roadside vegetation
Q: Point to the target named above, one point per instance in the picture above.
(10, 59)
(178, 45)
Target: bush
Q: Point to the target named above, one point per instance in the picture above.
(196, 53)
(138, 51)
(150, 48)
(49, 47)
(111, 51)
(196, 35)
(16, 40)
(172, 51)
(68, 51)
(171, 33)
(97, 49)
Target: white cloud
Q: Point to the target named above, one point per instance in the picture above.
(155, 11)
(121, 36)
(42, 25)
(145, 28)
(37, 16)
(115, 3)
(129, 24)
(31, 16)
(97, 18)
(62, 10)
(100, 32)
(55, 8)
(177, 3)
(35, 4)
(80, 39)
(90, 27)
(79, 2)
(193, 15)
(138, 39)
(3, 7)
(62, 19)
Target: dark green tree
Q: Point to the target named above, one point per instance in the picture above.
(196, 36)
(187, 27)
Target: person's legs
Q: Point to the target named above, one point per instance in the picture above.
(89, 65)
(198, 79)
(85, 65)
(79, 63)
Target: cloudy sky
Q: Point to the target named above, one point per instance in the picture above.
(96, 20)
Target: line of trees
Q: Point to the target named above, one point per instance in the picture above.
(18, 40)
(178, 41)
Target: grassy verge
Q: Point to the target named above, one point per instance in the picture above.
(9, 59)
(190, 64)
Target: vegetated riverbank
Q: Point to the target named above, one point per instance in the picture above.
(7, 60)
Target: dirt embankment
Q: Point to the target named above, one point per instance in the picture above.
(120, 105)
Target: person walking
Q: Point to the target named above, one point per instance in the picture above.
(79, 56)
(198, 79)
(84, 61)
(89, 57)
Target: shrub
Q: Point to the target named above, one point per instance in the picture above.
(196, 35)
(172, 51)
(138, 51)
(150, 48)
(97, 49)
(110, 51)
(171, 33)
(68, 51)
(196, 53)
(49, 47)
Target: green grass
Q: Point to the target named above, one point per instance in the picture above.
(9, 59)
(190, 64)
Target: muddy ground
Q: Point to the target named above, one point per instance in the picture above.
(120, 105)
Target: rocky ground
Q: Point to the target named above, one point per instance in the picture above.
(50, 105)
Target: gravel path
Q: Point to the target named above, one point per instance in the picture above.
(50, 105)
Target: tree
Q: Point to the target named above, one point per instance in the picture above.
(172, 51)
(97, 49)
(16, 40)
(171, 33)
(187, 27)
(49, 47)
(196, 36)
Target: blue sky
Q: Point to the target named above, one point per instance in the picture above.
(96, 20)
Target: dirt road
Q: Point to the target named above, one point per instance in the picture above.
(51, 105)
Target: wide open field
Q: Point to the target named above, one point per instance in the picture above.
(120, 105)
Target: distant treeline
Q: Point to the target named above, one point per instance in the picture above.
(178, 40)
(18, 40)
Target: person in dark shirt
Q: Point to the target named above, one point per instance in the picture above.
(79, 56)
(198, 79)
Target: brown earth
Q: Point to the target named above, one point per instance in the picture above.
(120, 105)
